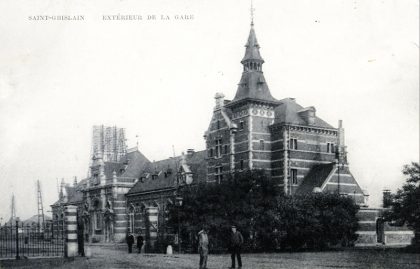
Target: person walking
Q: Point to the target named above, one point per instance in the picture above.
(203, 247)
(140, 242)
(236, 242)
(130, 242)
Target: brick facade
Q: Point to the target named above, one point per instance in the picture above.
(256, 131)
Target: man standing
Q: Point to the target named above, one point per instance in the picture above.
(203, 247)
(236, 242)
(139, 242)
(130, 242)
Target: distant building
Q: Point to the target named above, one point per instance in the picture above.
(130, 195)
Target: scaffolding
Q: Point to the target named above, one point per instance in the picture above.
(108, 142)
(41, 219)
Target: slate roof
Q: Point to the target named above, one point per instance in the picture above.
(287, 112)
(253, 86)
(252, 51)
(136, 164)
(315, 178)
(74, 193)
(162, 174)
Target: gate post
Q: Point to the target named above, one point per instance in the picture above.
(151, 228)
(70, 227)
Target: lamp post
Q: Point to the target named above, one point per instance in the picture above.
(17, 238)
(179, 204)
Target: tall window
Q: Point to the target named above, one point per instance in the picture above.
(241, 125)
(218, 148)
(219, 174)
(218, 124)
(226, 149)
(131, 218)
(242, 164)
(98, 220)
(293, 143)
(211, 153)
(293, 175)
(330, 148)
(262, 145)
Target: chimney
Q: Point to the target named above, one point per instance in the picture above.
(219, 100)
(340, 133)
(75, 182)
(308, 114)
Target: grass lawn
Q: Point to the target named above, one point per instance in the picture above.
(105, 257)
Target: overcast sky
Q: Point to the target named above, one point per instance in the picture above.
(353, 60)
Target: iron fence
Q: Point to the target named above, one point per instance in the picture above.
(18, 240)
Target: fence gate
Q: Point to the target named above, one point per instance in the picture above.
(18, 240)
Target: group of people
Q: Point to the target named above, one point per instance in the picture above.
(130, 242)
(235, 246)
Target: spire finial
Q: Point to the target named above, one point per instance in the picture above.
(252, 13)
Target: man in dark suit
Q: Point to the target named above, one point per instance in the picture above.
(130, 242)
(236, 241)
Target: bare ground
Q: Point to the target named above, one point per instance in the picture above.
(108, 257)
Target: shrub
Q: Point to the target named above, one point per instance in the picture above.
(267, 219)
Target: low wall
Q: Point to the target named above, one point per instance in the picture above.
(372, 232)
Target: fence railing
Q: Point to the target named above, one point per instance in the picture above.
(18, 240)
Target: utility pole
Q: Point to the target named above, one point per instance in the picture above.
(13, 209)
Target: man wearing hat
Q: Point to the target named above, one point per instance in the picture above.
(203, 247)
(236, 242)
(130, 242)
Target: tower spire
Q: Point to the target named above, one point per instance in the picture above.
(252, 13)
(252, 85)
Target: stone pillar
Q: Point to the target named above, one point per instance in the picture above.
(70, 223)
(151, 227)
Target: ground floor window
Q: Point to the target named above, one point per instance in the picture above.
(293, 175)
(98, 220)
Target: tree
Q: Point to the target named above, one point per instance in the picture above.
(267, 218)
(405, 205)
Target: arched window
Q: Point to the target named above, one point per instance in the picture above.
(131, 211)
